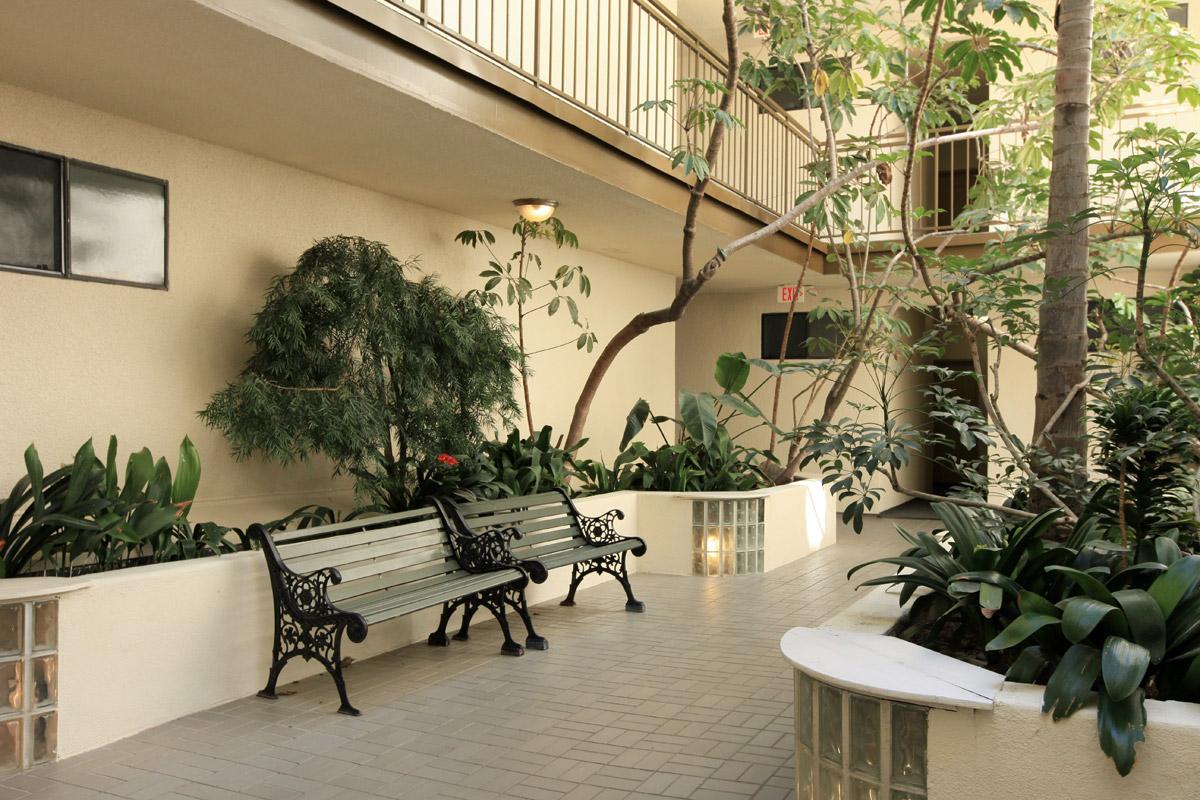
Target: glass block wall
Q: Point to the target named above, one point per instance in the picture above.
(853, 747)
(29, 680)
(728, 536)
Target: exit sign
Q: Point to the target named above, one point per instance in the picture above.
(788, 293)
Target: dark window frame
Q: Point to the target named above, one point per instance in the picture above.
(801, 335)
(64, 221)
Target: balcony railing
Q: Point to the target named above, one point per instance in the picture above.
(604, 57)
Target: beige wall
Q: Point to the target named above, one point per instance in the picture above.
(86, 359)
(729, 322)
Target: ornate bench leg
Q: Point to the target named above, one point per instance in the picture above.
(493, 601)
(516, 599)
(335, 670)
(622, 574)
(464, 631)
(613, 564)
(576, 578)
(439, 638)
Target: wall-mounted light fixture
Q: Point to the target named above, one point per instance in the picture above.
(535, 209)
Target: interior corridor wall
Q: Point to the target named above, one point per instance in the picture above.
(87, 359)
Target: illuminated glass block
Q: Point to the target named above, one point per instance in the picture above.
(865, 745)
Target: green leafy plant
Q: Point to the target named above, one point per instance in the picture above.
(380, 373)
(972, 572)
(1147, 450)
(707, 457)
(1125, 636)
(517, 282)
(81, 517)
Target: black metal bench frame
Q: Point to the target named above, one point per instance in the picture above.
(596, 532)
(309, 625)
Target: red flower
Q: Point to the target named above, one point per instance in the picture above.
(448, 460)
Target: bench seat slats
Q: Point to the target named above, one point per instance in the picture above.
(408, 577)
(396, 604)
(519, 517)
(558, 557)
(299, 549)
(508, 503)
(421, 515)
(409, 549)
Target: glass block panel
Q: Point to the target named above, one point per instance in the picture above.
(11, 678)
(10, 745)
(697, 512)
(865, 745)
(45, 681)
(762, 538)
(118, 226)
(727, 511)
(697, 539)
(762, 561)
(740, 538)
(30, 210)
(729, 566)
(804, 709)
(908, 745)
(831, 784)
(45, 625)
(741, 564)
(740, 511)
(830, 745)
(713, 512)
(727, 537)
(804, 775)
(45, 737)
(862, 790)
(12, 620)
(762, 509)
(698, 563)
(900, 794)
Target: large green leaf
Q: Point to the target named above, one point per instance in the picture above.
(1081, 615)
(1123, 665)
(1091, 587)
(1146, 623)
(1028, 666)
(732, 371)
(1021, 629)
(33, 466)
(1029, 601)
(699, 417)
(635, 420)
(1071, 684)
(1175, 584)
(82, 470)
(187, 473)
(1122, 724)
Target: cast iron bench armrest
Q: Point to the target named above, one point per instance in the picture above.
(601, 530)
(306, 596)
(487, 550)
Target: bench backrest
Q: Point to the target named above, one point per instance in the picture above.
(545, 519)
(394, 552)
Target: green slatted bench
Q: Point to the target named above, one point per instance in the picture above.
(340, 579)
(547, 530)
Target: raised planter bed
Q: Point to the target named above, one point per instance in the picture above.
(874, 713)
(730, 533)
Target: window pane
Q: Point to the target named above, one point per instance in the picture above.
(30, 211)
(118, 226)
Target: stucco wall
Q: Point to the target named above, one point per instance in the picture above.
(86, 359)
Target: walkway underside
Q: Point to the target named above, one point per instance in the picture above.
(689, 700)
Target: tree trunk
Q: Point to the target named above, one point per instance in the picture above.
(1059, 421)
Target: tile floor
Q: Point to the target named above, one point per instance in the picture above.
(689, 700)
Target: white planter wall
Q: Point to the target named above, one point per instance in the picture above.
(800, 519)
(1007, 748)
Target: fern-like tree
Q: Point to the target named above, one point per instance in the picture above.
(380, 372)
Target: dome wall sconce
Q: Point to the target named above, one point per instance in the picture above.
(535, 209)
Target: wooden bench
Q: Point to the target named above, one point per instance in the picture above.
(553, 533)
(340, 579)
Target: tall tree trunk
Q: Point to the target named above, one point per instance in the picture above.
(1059, 422)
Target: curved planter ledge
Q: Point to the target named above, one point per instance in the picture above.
(875, 714)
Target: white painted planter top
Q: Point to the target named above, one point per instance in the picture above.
(890, 668)
(17, 589)
(808, 483)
